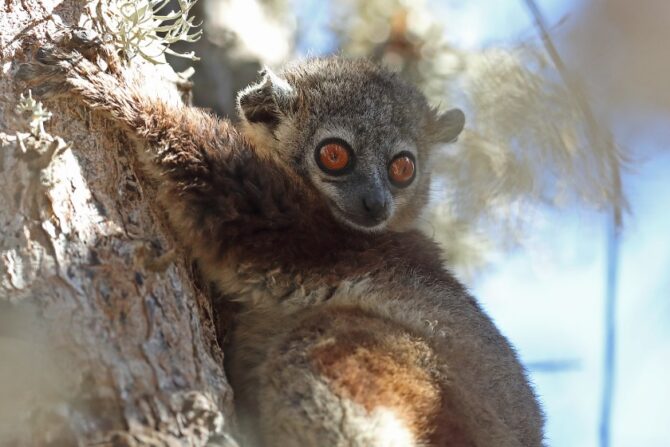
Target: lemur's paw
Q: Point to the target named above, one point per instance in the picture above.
(46, 75)
(61, 67)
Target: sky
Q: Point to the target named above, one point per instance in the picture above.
(548, 297)
(550, 301)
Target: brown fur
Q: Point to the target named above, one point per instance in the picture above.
(336, 323)
(374, 363)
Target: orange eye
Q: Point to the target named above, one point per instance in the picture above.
(401, 170)
(333, 157)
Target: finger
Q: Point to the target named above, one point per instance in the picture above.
(85, 38)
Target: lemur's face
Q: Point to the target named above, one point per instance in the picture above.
(358, 134)
(365, 178)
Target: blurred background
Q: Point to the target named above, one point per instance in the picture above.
(554, 206)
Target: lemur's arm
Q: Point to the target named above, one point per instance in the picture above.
(214, 184)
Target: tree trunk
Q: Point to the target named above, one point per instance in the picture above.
(104, 336)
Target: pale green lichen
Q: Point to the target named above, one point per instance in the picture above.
(34, 112)
(143, 28)
(38, 147)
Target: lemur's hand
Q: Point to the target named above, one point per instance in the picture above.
(73, 64)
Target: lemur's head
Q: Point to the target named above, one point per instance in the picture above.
(358, 133)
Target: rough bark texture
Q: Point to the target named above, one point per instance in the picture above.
(103, 335)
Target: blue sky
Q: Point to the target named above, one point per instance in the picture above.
(549, 302)
(548, 297)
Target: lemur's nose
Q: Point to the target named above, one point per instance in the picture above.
(375, 204)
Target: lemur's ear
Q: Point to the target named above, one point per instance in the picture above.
(265, 101)
(449, 125)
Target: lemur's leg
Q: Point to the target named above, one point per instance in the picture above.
(338, 376)
(212, 181)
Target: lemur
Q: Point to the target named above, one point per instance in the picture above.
(352, 332)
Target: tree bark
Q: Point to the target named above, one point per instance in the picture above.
(104, 334)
